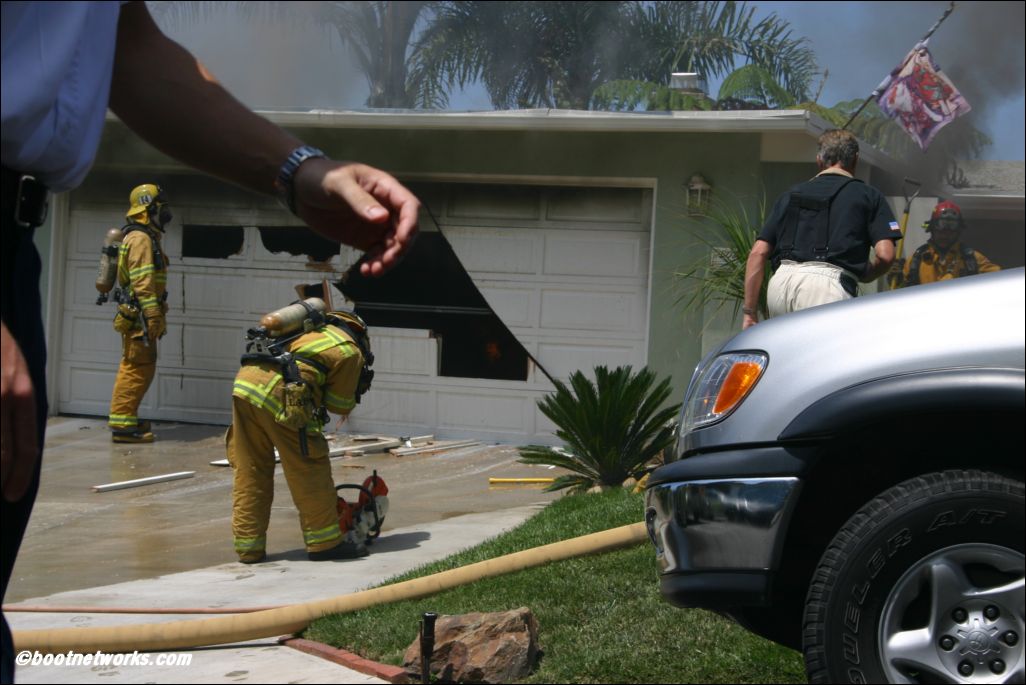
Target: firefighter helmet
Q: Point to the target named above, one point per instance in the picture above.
(140, 201)
(946, 215)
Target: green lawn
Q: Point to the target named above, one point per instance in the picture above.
(600, 618)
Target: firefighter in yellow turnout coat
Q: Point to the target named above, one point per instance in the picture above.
(945, 256)
(330, 360)
(140, 319)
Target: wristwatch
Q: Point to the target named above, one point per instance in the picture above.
(284, 185)
(747, 312)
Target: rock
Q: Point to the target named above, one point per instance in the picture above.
(480, 647)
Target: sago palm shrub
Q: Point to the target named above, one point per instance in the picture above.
(611, 428)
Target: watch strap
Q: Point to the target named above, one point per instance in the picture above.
(285, 183)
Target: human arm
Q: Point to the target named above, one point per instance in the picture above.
(884, 253)
(755, 269)
(985, 265)
(166, 96)
(18, 449)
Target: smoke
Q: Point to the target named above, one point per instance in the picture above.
(267, 58)
(979, 46)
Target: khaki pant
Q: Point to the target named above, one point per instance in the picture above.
(138, 366)
(250, 444)
(796, 286)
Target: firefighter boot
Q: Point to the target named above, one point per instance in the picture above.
(345, 550)
(133, 436)
(252, 557)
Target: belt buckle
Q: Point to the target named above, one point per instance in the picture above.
(41, 213)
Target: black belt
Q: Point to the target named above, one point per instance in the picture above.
(25, 200)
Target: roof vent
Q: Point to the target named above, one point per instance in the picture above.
(688, 82)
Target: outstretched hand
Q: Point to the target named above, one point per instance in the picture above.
(359, 206)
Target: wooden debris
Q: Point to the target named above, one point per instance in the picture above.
(434, 447)
(379, 444)
(143, 481)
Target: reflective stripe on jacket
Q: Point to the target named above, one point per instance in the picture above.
(260, 383)
(138, 273)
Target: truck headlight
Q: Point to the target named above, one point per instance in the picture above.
(720, 387)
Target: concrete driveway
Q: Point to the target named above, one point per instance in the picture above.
(169, 544)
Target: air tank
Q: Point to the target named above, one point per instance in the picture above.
(290, 319)
(109, 261)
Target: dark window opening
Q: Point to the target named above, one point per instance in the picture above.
(431, 290)
(298, 240)
(211, 242)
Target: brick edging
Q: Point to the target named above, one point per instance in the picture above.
(393, 674)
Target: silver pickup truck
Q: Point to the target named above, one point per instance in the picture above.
(848, 481)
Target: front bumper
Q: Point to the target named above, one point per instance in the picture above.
(718, 540)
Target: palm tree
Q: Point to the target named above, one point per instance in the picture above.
(584, 55)
(613, 428)
(527, 54)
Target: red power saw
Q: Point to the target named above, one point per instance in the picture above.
(360, 522)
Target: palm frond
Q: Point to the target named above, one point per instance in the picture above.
(717, 276)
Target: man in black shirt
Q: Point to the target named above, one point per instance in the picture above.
(818, 236)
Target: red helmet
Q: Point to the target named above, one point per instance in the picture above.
(947, 211)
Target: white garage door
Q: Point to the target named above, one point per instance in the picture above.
(566, 268)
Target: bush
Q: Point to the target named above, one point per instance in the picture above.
(612, 428)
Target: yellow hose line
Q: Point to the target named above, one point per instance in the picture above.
(292, 619)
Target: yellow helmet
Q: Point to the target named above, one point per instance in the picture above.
(140, 200)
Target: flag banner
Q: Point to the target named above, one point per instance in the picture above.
(919, 97)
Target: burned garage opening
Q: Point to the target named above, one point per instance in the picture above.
(430, 289)
(298, 240)
(211, 242)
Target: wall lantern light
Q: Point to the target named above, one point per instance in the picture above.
(698, 194)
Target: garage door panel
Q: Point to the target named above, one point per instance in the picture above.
(243, 294)
(396, 403)
(565, 308)
(477, 411)
(88, 337)
(404, 350)
(495, 202)
(562, 359)
(90, 227)
(515, 306)
(90, 385)
(602, 205)
(604, 256)
(195, 396)
(209, 346)
(80, 285)
(483, 250)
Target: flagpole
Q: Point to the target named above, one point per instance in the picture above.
(880, 88)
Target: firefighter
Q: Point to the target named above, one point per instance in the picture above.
(280, 401)
(142, 308)
(944, 256)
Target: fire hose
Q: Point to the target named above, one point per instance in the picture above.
(292, 619)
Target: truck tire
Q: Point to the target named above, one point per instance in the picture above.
(925, 583)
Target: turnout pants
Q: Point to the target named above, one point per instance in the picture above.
(138, 366)
(797, 286)
(250, 444)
